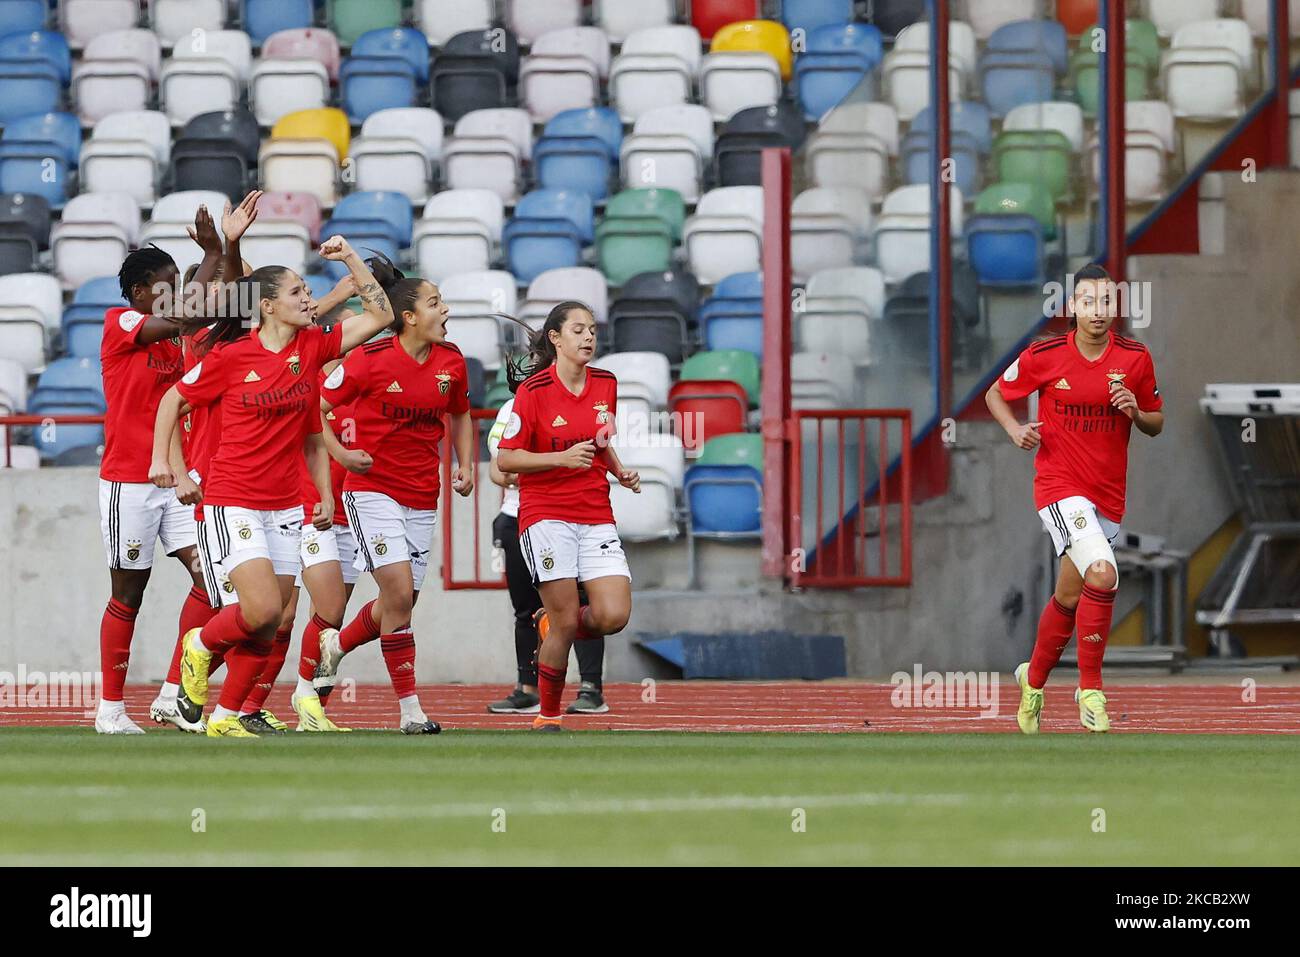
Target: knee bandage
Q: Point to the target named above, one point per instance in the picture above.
(1093, 548)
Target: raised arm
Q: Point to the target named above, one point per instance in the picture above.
(179, 320)
(235, 221)
(378, 312)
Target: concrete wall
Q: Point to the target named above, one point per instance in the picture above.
(978, 570)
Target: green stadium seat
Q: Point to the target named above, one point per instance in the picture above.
(1141, 38)
(1026, 199)
(737, 448)
(1035, 156)
(351, 18)
(497, 395)
(664, 204)
(1085, 79)
(627, 247)
(734, 365)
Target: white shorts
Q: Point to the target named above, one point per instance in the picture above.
(556, 550)
(387, 533)
(232, 535)
(1075, 518)
(336, 544)
(133, 516)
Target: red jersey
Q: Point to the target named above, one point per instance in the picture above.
(1085, 439)
(343, 426)
(136, 376)
(268, 401)
(398, 405)
(549, 418)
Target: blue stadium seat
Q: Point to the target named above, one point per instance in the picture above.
(572, 163)
(1013, 79)
(83, 328)
(1047, 36)
(807, 15)
(26, 87)
(23, 15)
(741, 285)
(71, 381)
(733, 325)
(27, 168)
(967, 116)
(371, 84)
(1006, 250)
(104, 291)
(56, 440)
(63, 130)
(560, 204)
(37, 45)
(261, 18)
(319, 283)
(391, 208)
(548, 231)
(724, 500)
(965, 154)
(599, 121)
(825, 79)
(862, 39)
(402, 43)
(368, 237)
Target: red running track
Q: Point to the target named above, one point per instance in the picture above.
(785, 706)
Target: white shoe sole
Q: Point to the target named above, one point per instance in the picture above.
(172, 716)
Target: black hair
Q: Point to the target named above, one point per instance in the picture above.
(140, 266)
(541, 349)
(243, 305)
(519, 368)
(403, 293)
(1091, 273)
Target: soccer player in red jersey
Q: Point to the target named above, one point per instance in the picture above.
(141, 359)
(1093, 387)
(557, 442)
(400, 388)
(265, 383)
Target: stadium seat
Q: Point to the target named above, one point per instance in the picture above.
(590, 43)
(127, 152)
(644, 374)
(756, 36)
(1141, 39)
(548, 231)
(399, 149)
(829, 227)
(486, 291)
(41, 46)
(238, 127)
(328, 124)
(866, 284)
(69, 380)
(675, 286)
(674, 40)
(174, 20)
(370, 84)
(28, 215)
(731, 82)
(280, 86)
(903, 230)
(443, 19)
(488, 151)
(23, 15)
(13, 388)
(22, 335)
(728, 365)
(1170, 15)
(306, 165)
(853, 160)
(189, 87)
(709, 16)
(1006, 250)
(642, 83)
(1232, 36)
(1085, 76)
(29, 168)
(459, 232)
(1036, 156)
(724, 501)
(83, 20)
(390, 208)
(1014, 78)
(808, 15)
(1034, 36)
(552, 84)
(825, 78)
(1146, 162)
(963, 151)
(821, 380)
(209, 163)
(1206, 82)
(1154, 117)
(1077, 16)
(101, 87)
(1029, 199)
(304, 44)
(701, 409)
(669, 148)
(620, 20)
(95, 228)
(228, 46)
(26, 87)
(58, 131)
(135, 45)
(893, 16)
(838, 325)
(639, 231)
(650, 325)
(1257, 14)
(296, 207)
(509, 123)
(351, 19)
(38, 291)
(401, 43)
(580, 283)
(1064, 118)
(531, 19)
(659, 460)
(462, 84)
(906, 75)
(578, 149)
(725, 235)
(263, 18)
(499, 46)
(733, 325)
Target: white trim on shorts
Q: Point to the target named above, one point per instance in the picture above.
(555, 550)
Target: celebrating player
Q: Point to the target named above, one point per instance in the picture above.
(265, 383)
(1093, 386)
(400, 387)
(524, 598)
(557, 441)
(141, 358)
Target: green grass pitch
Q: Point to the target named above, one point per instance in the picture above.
(510, 798)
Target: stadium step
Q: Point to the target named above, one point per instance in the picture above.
(766, 655)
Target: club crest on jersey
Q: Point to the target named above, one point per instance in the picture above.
(251, 377)
(602, 412)
(559, 421)
(548, 559)
(132, 551)
(380, 546)
(243, 530)
(394, 387)
(1062, 385)
(295, 364)
(1116, 379)
(444, 382)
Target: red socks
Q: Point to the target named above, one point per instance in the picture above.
(584, 633)
(1054, 630)
(361, 629)
(270, 671)
(1093, 622)
(227, 627)
(309, 656)
(115, 633)
(399, 656)
(195, 613)
(244, 664)
(550, 687)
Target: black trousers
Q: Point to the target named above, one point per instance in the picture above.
(526, 601)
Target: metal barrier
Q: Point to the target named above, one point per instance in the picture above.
(7, 422)
(860, 501)
(472, 508)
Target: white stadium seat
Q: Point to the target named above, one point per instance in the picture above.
(443, 19)
(688, 119)
(181, 206)
(459, 232)
(682, 42)
(962, 48)
(483, 162)
(189, 87)
(1064, 118)
(864, 283)
(276, 243)
(1152, 116)
(619, 19)
(649, 515)
(985, 16)
(39, 291)
(642, 83)
(477, 336)
(22, 457)
(821, 380)
(307, 166)
(133, 46)
(589, 43)
(580, 283)
(530, 19)
(731, 82)
(853, 160)
(1203, 85)
(232, 46)
(725, 236)
(836, 326)
(511, 123)
(23, 337)
(101, 87)
(83, 20)
(640, 373)
(552, 84)
(878, 119)
(177, 19)
(829, 227)
(907, 82)
(1169, 15)
(96, 228)
(278, 87)
(485, 291)
(13, 385)
(148, 126)
(903, 231)
(130, 166)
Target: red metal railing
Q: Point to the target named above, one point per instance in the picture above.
(844, 492)
(40, 420)
(453, 505)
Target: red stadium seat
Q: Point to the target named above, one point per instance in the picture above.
(709, 16)
(1078, 15)
(301, 208)
(721, 407)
